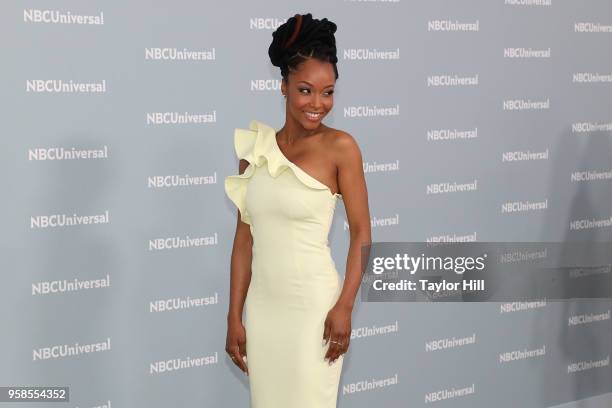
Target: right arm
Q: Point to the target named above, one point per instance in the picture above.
(240, 278)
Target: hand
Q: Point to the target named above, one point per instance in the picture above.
(235, 344)
(337, 332)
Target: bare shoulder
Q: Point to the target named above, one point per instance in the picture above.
(343, 145)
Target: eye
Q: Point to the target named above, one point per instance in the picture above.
(329, 93)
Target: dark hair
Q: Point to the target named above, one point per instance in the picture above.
(302, 37)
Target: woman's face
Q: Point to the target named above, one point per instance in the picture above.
(310, 92)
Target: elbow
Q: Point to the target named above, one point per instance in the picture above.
(361, 234)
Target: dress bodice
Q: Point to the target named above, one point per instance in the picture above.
(276, 193)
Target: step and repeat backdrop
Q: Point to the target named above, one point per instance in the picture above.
(481, 120)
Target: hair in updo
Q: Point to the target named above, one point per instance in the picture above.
(302, 37)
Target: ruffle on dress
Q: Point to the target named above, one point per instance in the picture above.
(258, 146)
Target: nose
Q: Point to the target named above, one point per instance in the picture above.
(316, 102)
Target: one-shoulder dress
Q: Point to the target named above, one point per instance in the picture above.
(294, 281)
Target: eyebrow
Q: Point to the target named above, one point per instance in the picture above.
(306, 82)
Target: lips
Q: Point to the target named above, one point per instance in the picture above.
(313, 115)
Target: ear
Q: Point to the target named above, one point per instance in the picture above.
(284, 86)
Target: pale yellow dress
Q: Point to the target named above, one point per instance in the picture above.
(294, 280)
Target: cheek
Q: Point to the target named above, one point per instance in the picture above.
(300, 101)
(327, 103)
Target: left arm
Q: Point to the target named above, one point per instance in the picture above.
(351, 183)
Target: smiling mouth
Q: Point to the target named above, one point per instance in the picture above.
(313, 115)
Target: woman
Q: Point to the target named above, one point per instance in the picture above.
(298, 311)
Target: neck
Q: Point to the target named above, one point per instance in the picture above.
(293, 131)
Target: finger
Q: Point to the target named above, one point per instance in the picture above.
(243, 355)
(346, 340)
(334, 354)
(346, 346)
(326, 333)
(242, 348)
(237, 359)
(333, 350)
(329, 351)
(340, 346)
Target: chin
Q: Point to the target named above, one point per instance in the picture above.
(311, 125)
